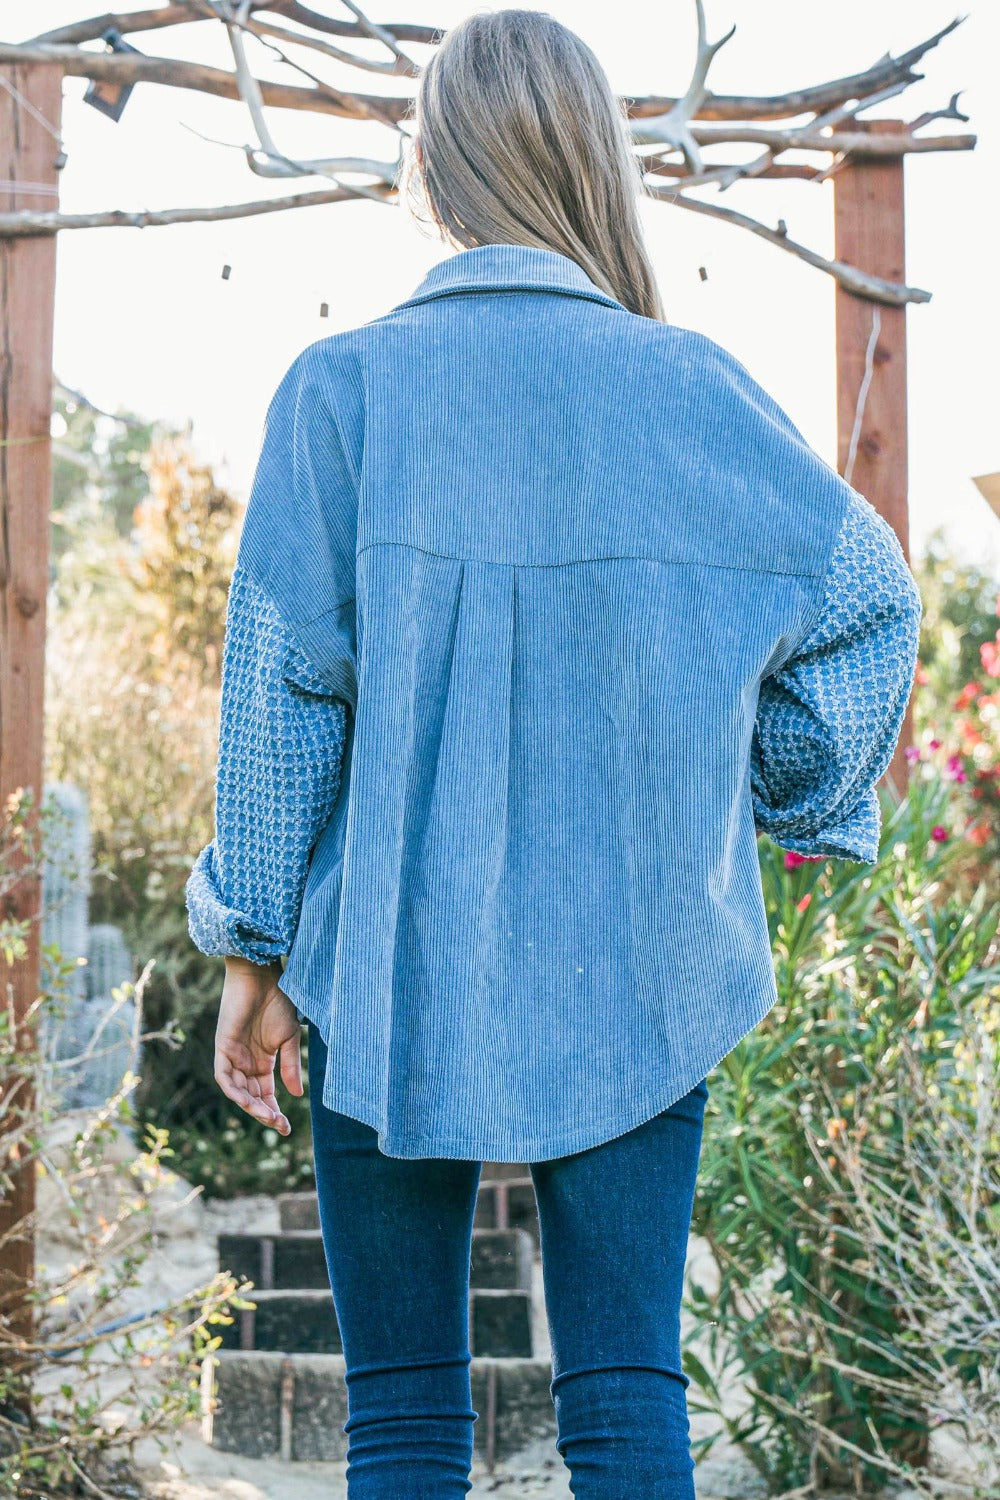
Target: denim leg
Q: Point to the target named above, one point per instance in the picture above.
(397, 1235)
(614, 1229)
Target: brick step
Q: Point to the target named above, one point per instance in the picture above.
(294, 1260)
(295, 1406)
(290, 1322)
(506, 1201)
(301, 1210)
(305, 1322)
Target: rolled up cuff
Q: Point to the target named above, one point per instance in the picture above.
(854, 837)
(218, 929)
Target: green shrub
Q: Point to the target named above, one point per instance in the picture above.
(82, 1382)
(133, 701)
(851, 1171)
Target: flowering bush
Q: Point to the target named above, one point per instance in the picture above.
(957, 700)
(850, 1175)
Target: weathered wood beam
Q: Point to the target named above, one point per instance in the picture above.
(27, 298)
(872, 445)
(134, 67)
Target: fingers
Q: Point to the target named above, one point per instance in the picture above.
(291, 1065)
(251, 1094)
(251, 1035)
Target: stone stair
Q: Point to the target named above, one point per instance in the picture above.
(294, 1406)
(276, 1386)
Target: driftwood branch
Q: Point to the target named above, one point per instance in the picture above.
(678, 133)
(129, 67)
(674, 127)
(27, 222)
(398, 65)
(807, 100)
(764, 164)
(274, 163)
(162, 16)
(892, 293)
(812, 100)
(859, 143)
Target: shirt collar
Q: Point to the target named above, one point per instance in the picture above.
(502, 267)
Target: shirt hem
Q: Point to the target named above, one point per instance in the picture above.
(567, 1143)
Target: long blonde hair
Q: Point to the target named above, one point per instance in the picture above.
(523, 141)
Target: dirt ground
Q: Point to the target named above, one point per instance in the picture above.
(194, 1472)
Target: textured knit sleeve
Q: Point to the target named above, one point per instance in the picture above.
(829, 717)
(281, 740)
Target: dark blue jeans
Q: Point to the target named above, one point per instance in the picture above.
(614, 1227)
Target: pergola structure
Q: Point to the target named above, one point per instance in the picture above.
(699, 140)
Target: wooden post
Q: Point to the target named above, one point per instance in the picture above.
(28, 154)
(869, 232)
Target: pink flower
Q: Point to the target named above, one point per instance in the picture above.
(955, 768)
(939, 834)
(934, 744)
(912, 754)
(793, 860)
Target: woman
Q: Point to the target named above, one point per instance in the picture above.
(543, 607)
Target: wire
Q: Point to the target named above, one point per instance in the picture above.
(11, 185)
(27, 104)
(859, 410)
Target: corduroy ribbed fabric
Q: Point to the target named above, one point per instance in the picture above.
(567, 576)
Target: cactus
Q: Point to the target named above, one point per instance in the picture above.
(96, 1022)
(109, 963)
(66, 876)
(65, 896)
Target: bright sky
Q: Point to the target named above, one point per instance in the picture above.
(145, 320)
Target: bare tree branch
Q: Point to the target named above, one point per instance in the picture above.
(674, 126)
(810, 100)
(337, 167)
(403, 31)
(247, 83)
(682, 129)
(133, 67)
(892, 293)
(655, 165)
(179, 14)
(27, 222)
(807, 100)
(859, 143)
(951, 113)
(761, 165)
(378, 33)
(398, 67)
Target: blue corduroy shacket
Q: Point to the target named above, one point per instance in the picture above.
(541, 610)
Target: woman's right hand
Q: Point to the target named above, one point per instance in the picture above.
(257, 1024)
